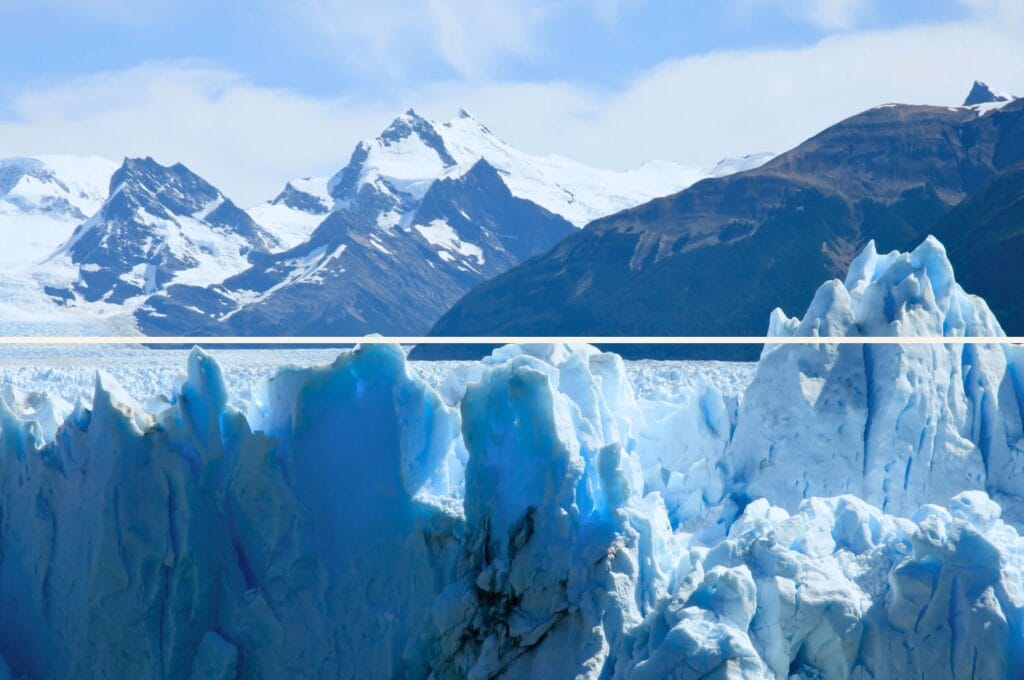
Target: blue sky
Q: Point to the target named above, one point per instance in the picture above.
(252, 93)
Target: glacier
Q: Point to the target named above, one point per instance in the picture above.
(852, 513)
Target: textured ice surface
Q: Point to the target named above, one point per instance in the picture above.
(151, 375)
(900, 424)
(531, 515)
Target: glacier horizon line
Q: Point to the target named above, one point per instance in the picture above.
(508, 340)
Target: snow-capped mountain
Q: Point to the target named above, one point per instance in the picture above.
(42, 200)
(295, 212)
(423, 212)
(361, 274)
(412, 152)
(159, 225)
(418, 216)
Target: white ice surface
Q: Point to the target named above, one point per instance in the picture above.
(529, 515)
(352, 523)
(69, 372)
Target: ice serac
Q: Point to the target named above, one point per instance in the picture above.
(839, 589)
(534, 517)
(155, 545)
(897, 424)
(562, 552)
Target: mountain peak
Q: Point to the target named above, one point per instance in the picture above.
(982, 94)
(160, 225)
(175, 187)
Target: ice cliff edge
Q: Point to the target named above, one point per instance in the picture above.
(536, 519)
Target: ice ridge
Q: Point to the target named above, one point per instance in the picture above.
(534, 518)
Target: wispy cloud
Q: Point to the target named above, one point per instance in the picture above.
(823, 14)
(249, 139)
(471, 37)
(245, 138)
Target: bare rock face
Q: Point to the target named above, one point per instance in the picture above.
(982, 94)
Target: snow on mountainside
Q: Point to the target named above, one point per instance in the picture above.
(418, 216)
(42, 200)
(408, 163)
(159, 225)
(295, 213)
(413, 152)
(361, 274)
(534, 517)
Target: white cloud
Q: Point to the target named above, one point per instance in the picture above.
(699, 109)
(245, 139)
(470, 36)
(377, 36)
(249, 140)
(824, 14)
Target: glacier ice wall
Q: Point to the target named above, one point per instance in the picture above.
(533, 517)
(138, 545)
(898, 425)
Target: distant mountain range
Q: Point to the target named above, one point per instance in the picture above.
(716, 258)
(443, 227)
(419, 216)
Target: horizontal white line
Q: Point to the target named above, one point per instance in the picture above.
(501, 340)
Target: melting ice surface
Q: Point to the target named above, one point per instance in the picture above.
(853, 513)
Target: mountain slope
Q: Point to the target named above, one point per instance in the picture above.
(419, 215)
(159, 225)
(398, 166)
(716, 258)
(295, 213)
(412, 152)
(42, 200)
(356, 278)
(985, 241)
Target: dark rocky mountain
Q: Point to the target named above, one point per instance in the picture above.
(159, 225)
(717, 258)
(982, 94)
(297, 199)
(356, 276)
(984, 238)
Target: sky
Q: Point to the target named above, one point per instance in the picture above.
(251, 93)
